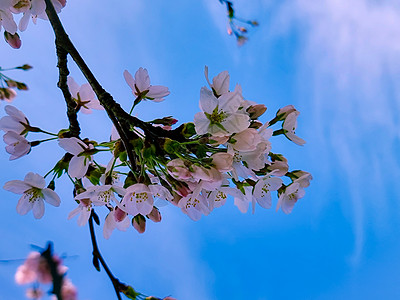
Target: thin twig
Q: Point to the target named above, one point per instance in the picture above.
(97, 255)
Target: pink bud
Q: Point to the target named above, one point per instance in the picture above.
(222, 161)
(285, 111)
(155, 215)
(256, 111)
(139, 223)
(119, 214)
(7, 94)
(13, 40)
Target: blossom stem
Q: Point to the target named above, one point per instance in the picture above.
(136, 102)
(49, 133)
(97, 255)
(35, 143)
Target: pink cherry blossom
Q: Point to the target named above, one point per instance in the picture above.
(79, 163)
(84, 96)
(220, 116)
(33, 193)
(17, 145)
(220, 83)
(115, 219)
(141, 86)
(139, 198)
(15, 121)
(290, 125)
(289, 197)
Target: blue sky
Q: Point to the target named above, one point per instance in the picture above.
(337, 61)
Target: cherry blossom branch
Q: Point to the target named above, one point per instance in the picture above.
(63, 42)
(57, 277)
(120, 118)
(99, 258)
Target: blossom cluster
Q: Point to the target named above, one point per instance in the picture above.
(9, 85)
(30, 10)
(225, 152)
(36, 270)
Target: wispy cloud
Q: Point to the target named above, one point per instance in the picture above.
(351, 54)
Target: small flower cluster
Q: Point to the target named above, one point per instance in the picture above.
(239, 31)
(225, 152)
(36, 270)
(30, 9)
(8, 85)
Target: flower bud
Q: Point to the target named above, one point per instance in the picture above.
(7, 94)
(25, 67)
(222, 161)
(119, 214)
(284, 112)
(155, 215)
(52, 185)
(255, 124)
(139, 223)
(167, 121)
(12, 39)
(256, 111)
(11, 83)
(21, 86)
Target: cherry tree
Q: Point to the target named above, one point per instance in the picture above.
(225, 154)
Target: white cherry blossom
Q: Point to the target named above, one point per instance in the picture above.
(141, 86)
(15, 121)
(115, 219)
(220, 83)
(7, 19)
(242, 201)
(194, 205)
(17, 145)
(220, 117)
(79, 163)
(84, 96)
(262, 190)
(222, 161)
(101, 194)
(139, 198)
(33, 193)
(289, 126)
(288, 199)
(84, 210)
(38, 10)
(246, 140)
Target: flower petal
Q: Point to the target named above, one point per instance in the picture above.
(72, 145)
(24, 206)
(129, 80)
(35, 180)
(51, 197)
(78, 166)
(38, 209)
(16, 186)
(142, 79)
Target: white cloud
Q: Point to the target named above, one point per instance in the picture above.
(351, 56)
